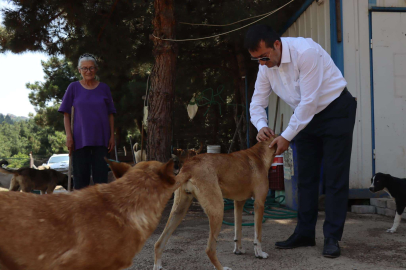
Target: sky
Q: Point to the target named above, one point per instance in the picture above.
(15, 71)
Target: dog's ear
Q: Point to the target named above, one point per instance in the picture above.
(118, 169)
(166, 172)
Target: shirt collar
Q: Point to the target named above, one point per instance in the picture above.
(285, 52)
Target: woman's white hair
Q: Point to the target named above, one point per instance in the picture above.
(87, 57)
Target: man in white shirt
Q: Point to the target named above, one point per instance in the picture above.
(303, 75)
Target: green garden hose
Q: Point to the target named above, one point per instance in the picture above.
(269, 212)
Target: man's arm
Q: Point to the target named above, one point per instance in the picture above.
(260, 101)
(311, 68)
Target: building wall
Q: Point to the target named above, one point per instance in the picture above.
(357, 73)
(315, 23)
(387, 3)
(357, 68)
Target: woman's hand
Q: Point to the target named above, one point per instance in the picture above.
(70, 144)
(111, 144)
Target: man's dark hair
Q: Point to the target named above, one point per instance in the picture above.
(258, 33)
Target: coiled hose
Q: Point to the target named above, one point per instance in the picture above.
(268, 212)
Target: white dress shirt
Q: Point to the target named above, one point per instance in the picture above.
(307, 79)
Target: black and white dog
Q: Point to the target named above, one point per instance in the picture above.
(396, 188)
(3, 162)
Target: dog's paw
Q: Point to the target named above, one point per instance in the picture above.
(391, 230)
(260, 254)
(158, 267)
(239, 251)
(227, 268)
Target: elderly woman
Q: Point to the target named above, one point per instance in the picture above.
(93, 130)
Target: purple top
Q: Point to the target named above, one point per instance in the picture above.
(91, 125)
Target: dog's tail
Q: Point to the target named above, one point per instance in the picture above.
(15, 172)
(183, 177)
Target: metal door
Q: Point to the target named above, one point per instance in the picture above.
(389, 84)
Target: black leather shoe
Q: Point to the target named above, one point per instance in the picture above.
(296, 240)
(331, 248)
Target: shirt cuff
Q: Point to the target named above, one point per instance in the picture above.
(261, 124)
(289, 134)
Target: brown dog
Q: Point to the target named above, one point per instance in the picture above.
(99, 227)
(44, 180)
(210, 178)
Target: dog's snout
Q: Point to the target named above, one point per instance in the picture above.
(371, 189)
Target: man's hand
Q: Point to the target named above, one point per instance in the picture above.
(282, 145)
(111, 144)
(264, 134)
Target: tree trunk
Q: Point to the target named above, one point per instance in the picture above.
(161, 95)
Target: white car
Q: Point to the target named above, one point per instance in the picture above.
(59, 162)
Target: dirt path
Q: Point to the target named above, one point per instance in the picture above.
(365, 245)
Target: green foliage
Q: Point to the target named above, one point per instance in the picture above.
(19, 160)
(58, 142)
(26, 136)
(59, 73)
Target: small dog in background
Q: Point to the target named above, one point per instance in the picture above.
(396, 188)
(138, 156)
(28, 179)
(3, 163)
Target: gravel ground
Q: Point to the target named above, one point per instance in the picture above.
(365, 245)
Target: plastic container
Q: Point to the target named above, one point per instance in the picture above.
(275, 175)
(291, 177)
(213, 149)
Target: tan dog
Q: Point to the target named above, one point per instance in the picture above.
(100, 227)
(212, 177)
(28, 179)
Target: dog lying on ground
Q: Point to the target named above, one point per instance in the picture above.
(210, 178)
(396, 188)
(28, 179)
(100, 227)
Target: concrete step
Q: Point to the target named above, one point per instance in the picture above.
(379, 202)
(380, 210)
(363, 209)
(389, 212)
(391, 204)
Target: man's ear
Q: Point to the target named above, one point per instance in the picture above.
(277, 44)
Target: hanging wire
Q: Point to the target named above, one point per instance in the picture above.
(225, 33)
